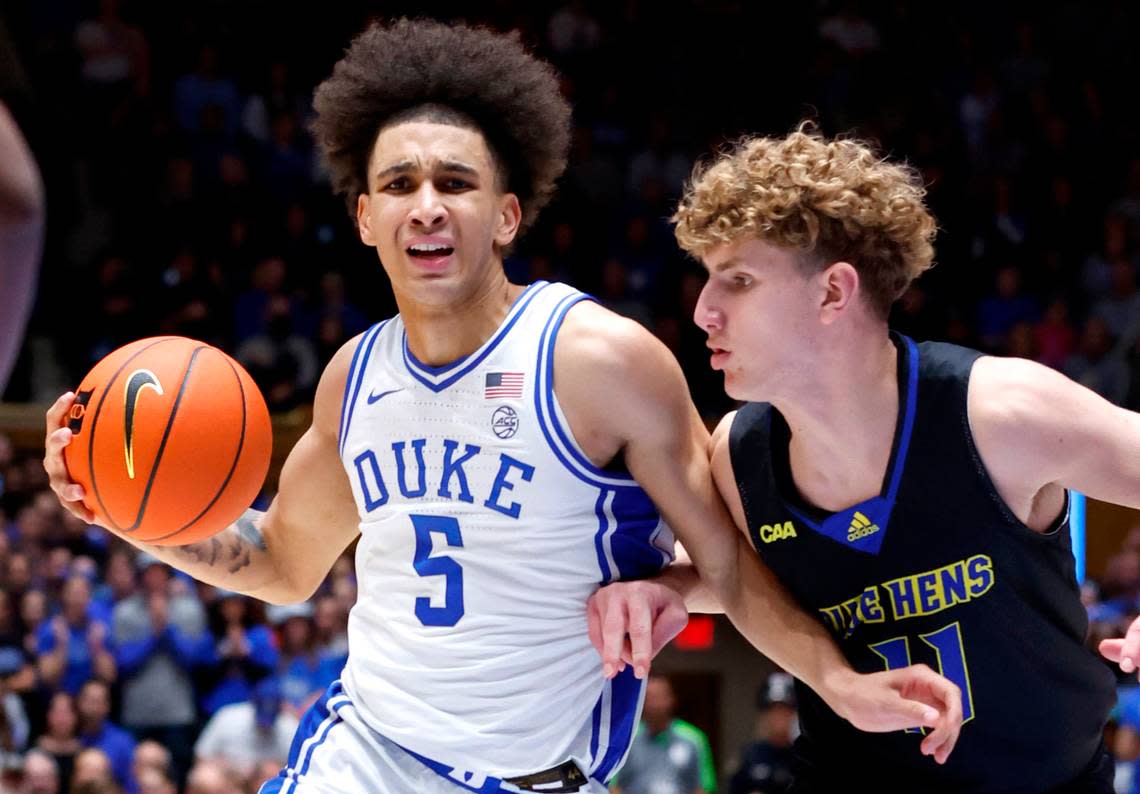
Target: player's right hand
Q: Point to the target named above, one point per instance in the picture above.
(629, 622)
(909, 697)
(57, 436)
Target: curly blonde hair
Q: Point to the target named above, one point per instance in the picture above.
(832, 200)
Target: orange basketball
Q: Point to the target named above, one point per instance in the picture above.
(171, 440)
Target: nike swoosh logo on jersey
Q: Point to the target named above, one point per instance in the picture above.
(375, 398)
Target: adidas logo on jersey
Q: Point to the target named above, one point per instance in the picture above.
(861, 527)
(774, 532)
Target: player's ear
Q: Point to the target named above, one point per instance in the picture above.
(364, 219)
(840, 282)
(509, 219)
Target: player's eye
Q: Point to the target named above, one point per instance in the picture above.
(456, 183)
(398, 184)
(741, 281)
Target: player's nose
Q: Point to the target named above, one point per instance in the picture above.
(706, 315)
(427, 210)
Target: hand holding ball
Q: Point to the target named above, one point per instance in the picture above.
(170, 440)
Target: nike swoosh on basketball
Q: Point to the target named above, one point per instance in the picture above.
(375, 398)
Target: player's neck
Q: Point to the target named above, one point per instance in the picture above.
(843, 421)
(439, 335)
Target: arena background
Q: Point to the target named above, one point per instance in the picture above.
(184, 196)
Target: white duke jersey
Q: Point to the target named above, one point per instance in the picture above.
(484, 530)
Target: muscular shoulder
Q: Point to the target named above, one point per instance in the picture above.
(596, 339)
(613, 372)
(330, 390)
(1012, 400)
(1028, 420)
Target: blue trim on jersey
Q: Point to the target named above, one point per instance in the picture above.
(426, 373)
(347, 421)
(316, 724)
(599, 537)
(875, 513)
(553, 325)
(625, 705)
(548, 416)
(631, 544)
(490, 785)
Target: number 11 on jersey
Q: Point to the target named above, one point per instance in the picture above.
(442, 565)
(947, 644)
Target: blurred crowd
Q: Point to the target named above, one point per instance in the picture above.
(118, 674)
(185, 196)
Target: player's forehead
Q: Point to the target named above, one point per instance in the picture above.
(750, 254)
(427, 146)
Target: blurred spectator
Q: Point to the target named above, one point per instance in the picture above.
(118, 583)
(766, 764)
(151, 755)
(160, 638)
(115, 62)
(250, 313)
(95, 730)
(661, 161)
(1120, 308)
(1008, 306)
(616, 296)
(850, 31)
(244, 650)
(152, 781)
(61, 738)
(17, 663)
(668, 755)
(41, 774)
(1096, 273)
(278, 96)
(265, 770)
(204, 90)
(73, 646)
(211, 777)
(572, 30)
(302, 671)
(244, 734)
(13, 730)
(330, 621)
(93, 768)
(1054, 335)
(282, 362)
(1094, 367)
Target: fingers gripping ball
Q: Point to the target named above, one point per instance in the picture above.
(171, 440)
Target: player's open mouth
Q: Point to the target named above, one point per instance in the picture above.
(429, 250)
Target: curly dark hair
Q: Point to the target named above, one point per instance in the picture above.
(412, 69)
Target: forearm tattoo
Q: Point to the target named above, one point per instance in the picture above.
(234, 552)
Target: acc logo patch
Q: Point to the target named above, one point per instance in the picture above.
(505, 421)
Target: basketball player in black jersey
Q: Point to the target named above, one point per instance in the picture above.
(913, 496)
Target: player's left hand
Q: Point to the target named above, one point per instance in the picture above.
(1124, 651)
(630, 622)
(909, 697)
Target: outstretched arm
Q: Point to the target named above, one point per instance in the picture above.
(1040, 433)
(280, 556)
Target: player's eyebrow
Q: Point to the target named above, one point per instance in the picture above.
(407, 166)
(727, 264)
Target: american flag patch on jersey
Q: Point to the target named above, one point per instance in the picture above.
(503, 385)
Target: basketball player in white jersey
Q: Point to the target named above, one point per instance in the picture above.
(500, 451)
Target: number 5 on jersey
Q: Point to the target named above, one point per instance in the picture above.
(442, 565)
